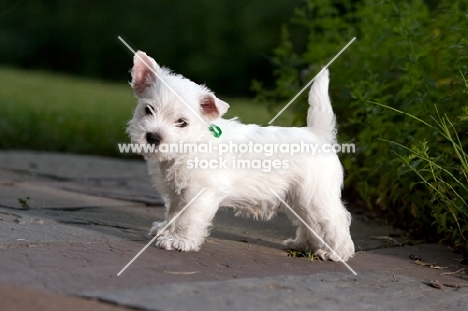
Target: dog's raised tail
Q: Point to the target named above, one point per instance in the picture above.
(320, 117)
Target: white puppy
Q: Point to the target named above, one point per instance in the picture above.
(175, 112)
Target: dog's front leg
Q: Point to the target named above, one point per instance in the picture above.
(188, 230)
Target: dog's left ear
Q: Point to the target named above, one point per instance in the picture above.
(213, 107)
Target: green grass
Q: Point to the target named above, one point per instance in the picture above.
(46, 111)
(299, 254)
(248, 111)
(54, 112)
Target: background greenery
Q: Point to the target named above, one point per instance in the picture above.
(56, 112)
(221, 43)
(399, 91)
(400, 95)
(74, 96)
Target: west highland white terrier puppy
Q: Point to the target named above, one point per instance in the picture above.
(227, 162)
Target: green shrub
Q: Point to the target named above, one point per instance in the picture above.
(444, 175)
(407, 56)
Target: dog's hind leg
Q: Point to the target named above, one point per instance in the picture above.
(327, 231)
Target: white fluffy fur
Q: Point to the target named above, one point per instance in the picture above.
(311, 184)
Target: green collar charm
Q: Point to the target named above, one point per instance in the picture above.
(215, 130)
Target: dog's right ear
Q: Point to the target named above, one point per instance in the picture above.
(143, 73)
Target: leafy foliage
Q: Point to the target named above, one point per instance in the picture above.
(408, 56)
(445, 176)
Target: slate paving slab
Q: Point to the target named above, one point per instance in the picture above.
(72, 167)
(20, 299)
(76, 268)
(128, 190)
(44, 196)
(41, 227)
(87, 217)
(321, 291)
(106, 177)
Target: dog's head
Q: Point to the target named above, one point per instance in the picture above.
(171, 109)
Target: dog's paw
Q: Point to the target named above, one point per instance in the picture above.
(333, 256)
(172, 241)
(157, 225)
(295, 244)
(344, 252)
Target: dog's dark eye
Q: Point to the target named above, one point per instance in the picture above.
(181, 123)
(148, 110)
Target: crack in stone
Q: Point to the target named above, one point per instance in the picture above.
(17, 217)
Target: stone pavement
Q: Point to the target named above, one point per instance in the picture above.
(69, 224)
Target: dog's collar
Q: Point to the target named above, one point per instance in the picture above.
(215, 130)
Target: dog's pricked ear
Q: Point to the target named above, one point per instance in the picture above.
(222, 106)
(208, 107)
(143, 73)
(213, 107)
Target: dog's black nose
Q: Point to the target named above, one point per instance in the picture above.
(153, 138)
